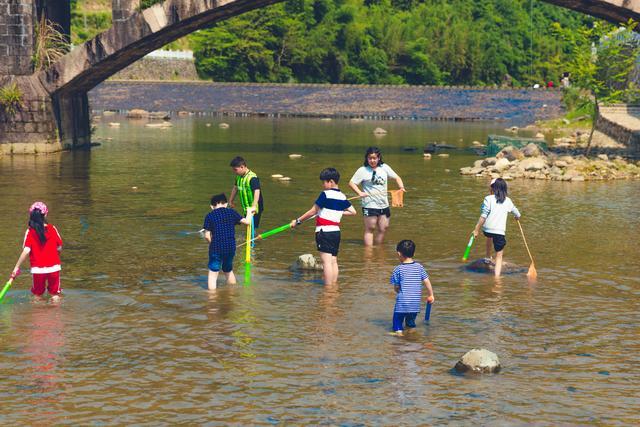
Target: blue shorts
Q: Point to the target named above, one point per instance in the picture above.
(221, 260)
(399, 319)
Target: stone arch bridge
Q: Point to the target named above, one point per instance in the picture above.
(55, 108)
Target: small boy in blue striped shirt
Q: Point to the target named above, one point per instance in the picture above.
(407, 279)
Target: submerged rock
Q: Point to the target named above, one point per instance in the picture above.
(479, 361)
(306, 262)
(483, 265)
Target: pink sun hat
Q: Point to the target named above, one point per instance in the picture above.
(41, 207)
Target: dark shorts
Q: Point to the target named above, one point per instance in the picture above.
(499, 241)
(376, 212)
(328, 242)
(224, 261)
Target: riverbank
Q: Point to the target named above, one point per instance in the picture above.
(379, 102)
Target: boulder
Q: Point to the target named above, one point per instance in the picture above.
(489, 161)
(539, 135)
(488, 267)
(532, 164)
(306, 262)
(501, 165)
(511, 153)
(478, 163)
(223, 125)
(295, 156)
(603, 157)
(531, 150)
(443, 155)
(137, 113)
(379, 131)
(479, 361)
(561, 164)
(477, 143)
(426, 155)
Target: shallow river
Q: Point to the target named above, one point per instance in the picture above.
(137, 338)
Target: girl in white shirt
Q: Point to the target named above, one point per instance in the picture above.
(373, 176)
(493, 220)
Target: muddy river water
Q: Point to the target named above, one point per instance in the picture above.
(137, 338)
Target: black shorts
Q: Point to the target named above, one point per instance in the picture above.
(376, 212)
(328, 242)
(499, 241)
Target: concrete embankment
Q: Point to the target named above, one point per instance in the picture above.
(385, 102)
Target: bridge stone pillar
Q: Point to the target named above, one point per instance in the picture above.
(121, 10)
(16, 36)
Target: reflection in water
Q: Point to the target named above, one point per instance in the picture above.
(285, 349)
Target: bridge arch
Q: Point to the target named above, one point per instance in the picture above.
(137, 33)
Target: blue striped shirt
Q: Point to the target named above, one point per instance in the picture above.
(409, 277)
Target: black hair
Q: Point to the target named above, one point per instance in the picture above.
(218, 198)
(330, 174)
(376, 151)
(499, 188)
(407, 248)
(37, 222)
(237, 161)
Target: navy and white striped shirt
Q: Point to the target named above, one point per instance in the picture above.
(409, 276)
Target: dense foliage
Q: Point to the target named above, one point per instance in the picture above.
(391, 42)
(380, 41)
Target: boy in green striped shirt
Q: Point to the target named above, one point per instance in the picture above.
(247, 188)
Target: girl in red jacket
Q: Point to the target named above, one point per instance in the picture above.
(42, 243)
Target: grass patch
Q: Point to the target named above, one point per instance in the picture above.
(10, 99)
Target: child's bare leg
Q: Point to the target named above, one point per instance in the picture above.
(489, 246)
(334, 262)
(213, 278)
(327, 267)
(369, 228)
(498, 263)
(231, 278)
(383, 224)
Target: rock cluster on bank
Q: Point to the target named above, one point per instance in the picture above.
(534, 163)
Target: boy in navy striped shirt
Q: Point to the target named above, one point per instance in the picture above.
(328, 210)
(407, 280)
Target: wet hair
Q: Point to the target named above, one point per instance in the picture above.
(330, 174)
(373, 150)
(499, 188)
(218, 198)
(406, 248)
(37, 222)
(237, 162)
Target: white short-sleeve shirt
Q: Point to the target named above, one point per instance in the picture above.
(374, 182)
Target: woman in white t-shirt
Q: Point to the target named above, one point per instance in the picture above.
(373, 176)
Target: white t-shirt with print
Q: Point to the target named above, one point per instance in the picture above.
(374, 184)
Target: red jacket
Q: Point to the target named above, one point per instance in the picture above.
(44, 258)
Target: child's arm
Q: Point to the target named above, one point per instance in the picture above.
(308, 214)
(23, 256)
(400, 183)
(430, 297)
(350, 211)
(256, 199)
(207, 236)
(355, 188)
(516, 213)
(232, 196)
(396, 288)
(479, 225)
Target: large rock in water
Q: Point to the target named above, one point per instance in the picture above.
(488, 267)
(306, 262)
(478, 361)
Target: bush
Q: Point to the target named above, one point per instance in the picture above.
(10, 99)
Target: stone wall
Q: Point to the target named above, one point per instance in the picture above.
(622, 123)
(16, 36)
(32, 129)
(158, 69)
